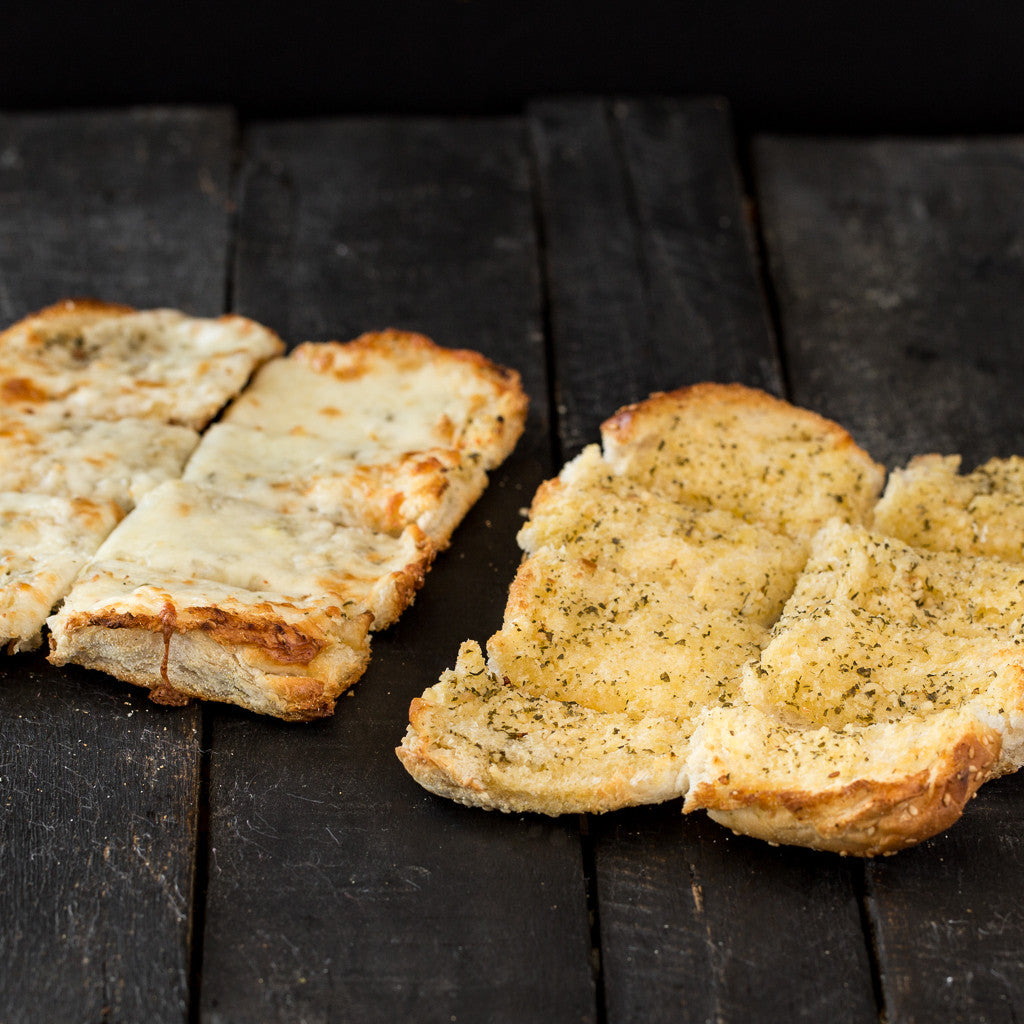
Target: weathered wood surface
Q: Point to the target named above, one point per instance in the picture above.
(99, 788)
(213, 866)
(338, 889)
(683, 907)
(897, 265)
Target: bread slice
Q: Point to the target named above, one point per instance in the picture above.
(891, 688)
(736, 449)
(653, 576)
(93, 394)
(861, 790)
(44, 541)
(97, 360)
(931, 505)
(390, 430)
(182, 528)
(200, 595)
(101, 460)
(185, 637)
(481, 741)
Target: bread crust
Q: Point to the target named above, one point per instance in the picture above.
(864, 817)
(264, 653)
(879, 687)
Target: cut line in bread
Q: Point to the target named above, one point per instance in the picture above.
(100, 403)
(854, 688)
(45, 540)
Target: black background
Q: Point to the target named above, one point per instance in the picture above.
(791, 65)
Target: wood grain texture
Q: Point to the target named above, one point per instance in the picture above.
(683, 907)
(649, 255)
(126, 206)
(340, 890)
(99, 788)
(950, 917)
(897, 265)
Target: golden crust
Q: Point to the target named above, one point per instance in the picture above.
(866, 696)
(864, 817)
(271, 655)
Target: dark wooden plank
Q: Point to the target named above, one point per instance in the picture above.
(694, 924)
(657, 288)
(98, 787)
(898, 272)
(597, 307)
(338, 888)
(897, 266)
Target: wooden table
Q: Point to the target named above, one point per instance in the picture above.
(204, 864)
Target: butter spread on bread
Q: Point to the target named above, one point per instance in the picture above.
(712, 607)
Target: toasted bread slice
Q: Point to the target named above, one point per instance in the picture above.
(486, 743)
(740, 450)
(931, 505)
(199, 595)
(97, 360)
(44, 541)
(652, 579)
(860, 789)
(405, 430)
(877, 631)
(891, 688)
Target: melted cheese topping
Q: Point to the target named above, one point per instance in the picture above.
(182, 528)
(108, 362)
(117, 460)
(301, 473)
(44, 542)
(386, 395)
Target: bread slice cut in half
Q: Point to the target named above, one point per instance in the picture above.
(931, 505)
